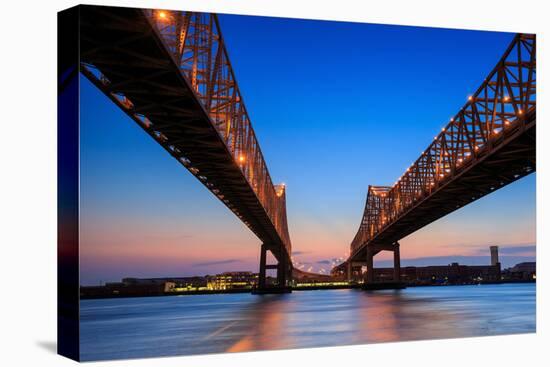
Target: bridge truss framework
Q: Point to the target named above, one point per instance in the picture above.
(488, 144)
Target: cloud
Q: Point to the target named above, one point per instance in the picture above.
(512, 250)
(219, 262)
(300, 252)
(167, 238)
(323, 262)
(506, 260)
(483, 249)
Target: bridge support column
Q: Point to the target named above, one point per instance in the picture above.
(370, 265)
(396, 263)
(395, 283)
(349, 271)
(284, 272)
(262, 273)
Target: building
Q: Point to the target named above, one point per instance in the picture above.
(128, 289)
(304, 277)
(179, 283)
(443, 274)
(439, 274)
(494, 255)
(232, 280)
(522, 271)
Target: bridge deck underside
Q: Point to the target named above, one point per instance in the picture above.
(492, 169)
(121, 43)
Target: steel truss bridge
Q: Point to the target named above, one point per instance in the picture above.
(487, 145)
(170, 72)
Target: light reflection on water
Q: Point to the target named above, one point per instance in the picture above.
(179, 325)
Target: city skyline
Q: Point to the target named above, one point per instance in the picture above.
(129, 230)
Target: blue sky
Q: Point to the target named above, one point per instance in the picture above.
(336, 107)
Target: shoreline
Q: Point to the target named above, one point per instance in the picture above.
(297, 289)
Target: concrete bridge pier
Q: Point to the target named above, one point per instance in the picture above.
(397, 263)
(284, 272)
(373, 250)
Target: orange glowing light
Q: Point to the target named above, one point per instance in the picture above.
(162, 15)
(241, 158)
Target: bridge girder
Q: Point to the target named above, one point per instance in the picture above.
(170, 72)
(488, 144)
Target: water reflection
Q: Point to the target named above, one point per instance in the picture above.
(397, 316)
(265, 321)
(145, 327)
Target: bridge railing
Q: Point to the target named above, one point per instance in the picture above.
(498, 108)
(197, 46)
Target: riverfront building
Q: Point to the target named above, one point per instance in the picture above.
(449, 274)
(417, 275)
(522, 271)
(232, 280)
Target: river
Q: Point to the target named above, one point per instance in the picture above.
(183, 325)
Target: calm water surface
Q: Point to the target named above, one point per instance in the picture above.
(176, 325)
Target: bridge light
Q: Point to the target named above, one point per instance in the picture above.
(506, 98)
(241, 158)
(442, 129)
(162, 15)
(496, 131)
(506, 122)
(470, 98)
(520, 112)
